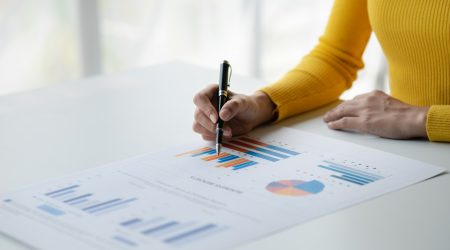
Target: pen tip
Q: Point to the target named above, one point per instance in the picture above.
(218, 149)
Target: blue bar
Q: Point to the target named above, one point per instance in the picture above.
(77, 198)
(7, 200)
(77, 202)
(101, 204)
(50, 210)
(126, 241)
(244, 165)
(347, 173)
(271, 152)
(227, 158)
(190, 233)
(287, 151)
(346, 179)
(130, 222)
(160, 227)
(356, 179)
(171, 230)
(146, 223)
(112, 205)
(62, 194)
(337, 165)
(209, 152)
(62, 189)
(265, 157)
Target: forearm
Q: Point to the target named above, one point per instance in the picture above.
(331, 67)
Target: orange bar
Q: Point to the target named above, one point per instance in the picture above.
(243, 144)
(213, 157)
(194, 151)
(253, 141)
(232, 163)
(234, 147)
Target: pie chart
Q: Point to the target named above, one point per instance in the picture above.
(295, 187)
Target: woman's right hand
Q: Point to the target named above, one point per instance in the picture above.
(241, 113)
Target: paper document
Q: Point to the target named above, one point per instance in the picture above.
(189, 198)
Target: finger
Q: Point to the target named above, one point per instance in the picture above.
(227, 132)
(231, 108)
(206, 122)
(208, 138)
(203, 101)
(347, 123)
(213, 137)
(346, 109)
(198, 128)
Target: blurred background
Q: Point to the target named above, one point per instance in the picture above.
(47, 42)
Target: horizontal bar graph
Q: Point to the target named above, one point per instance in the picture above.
(86, 202)
(249, 152)
(259, 149)
(256, 150)
(223, 160)
(276, 148)
(348, 174)
(170, 231)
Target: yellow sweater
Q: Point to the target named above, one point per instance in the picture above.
(415, 37)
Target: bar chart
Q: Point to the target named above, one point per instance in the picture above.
(169, 231)
(84, 201)
(223, 160)
(257, 150)
(349, 174)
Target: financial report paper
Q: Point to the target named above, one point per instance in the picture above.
(187, 197)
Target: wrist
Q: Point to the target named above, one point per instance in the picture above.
(419, 120)
(264, 106)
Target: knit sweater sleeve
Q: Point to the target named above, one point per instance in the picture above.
(438, 123)
(330, 68)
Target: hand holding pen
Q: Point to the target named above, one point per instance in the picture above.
(240, 114)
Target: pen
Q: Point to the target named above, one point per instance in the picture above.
(225, 74)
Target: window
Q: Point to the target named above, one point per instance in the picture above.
(53, 41)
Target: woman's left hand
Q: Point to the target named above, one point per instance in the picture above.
(379, 114)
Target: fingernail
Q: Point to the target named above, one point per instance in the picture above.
(227, 132)
(225, 114)
(212, 117)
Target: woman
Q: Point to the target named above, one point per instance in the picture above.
(415, 37)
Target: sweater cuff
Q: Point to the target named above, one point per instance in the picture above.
(438, 123)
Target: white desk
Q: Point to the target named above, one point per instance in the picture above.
(70, 127)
